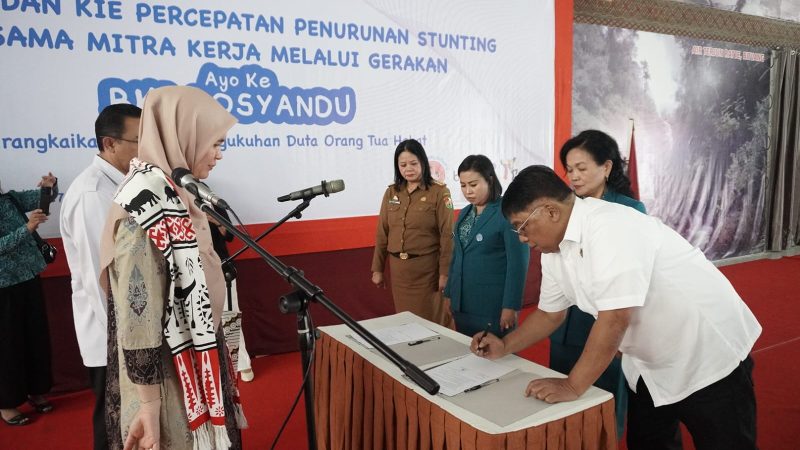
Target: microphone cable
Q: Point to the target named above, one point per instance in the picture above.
(240, 226)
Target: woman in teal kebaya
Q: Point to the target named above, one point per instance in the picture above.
(24, 338)
(489, 264)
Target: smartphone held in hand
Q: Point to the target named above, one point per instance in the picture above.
(45, 197)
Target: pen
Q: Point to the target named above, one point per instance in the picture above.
(478, 386)
(485, 332)
(424, 340)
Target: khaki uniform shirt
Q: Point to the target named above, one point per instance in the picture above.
(418, 223)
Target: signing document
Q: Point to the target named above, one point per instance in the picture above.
(467, 374)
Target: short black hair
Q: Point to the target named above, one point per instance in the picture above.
(602, 148)
(415, 148)
(531, 184)
(483, 166)
(111, 121)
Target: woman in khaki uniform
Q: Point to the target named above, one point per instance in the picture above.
(415, 233)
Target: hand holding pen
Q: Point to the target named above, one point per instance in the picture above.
(483, 336)
(487, 345)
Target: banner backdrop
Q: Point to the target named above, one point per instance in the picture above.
(322, 90)
(701, 115)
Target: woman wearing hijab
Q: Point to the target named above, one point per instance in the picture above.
(170, 384)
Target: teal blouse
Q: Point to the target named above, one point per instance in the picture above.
(20, 259)
(616, 197)
(465, 228)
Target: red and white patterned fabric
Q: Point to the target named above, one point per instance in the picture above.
(149, 197)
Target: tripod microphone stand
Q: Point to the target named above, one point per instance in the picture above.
(298, 300)
(229, 270)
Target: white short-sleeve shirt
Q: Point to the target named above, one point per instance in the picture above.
(689, 327)
(83, 215)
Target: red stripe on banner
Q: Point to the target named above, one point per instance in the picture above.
(563, 79)
(291, 238)
(313, 236)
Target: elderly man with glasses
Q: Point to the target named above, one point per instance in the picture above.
(684, 333)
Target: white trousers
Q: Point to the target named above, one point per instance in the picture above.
(244, 359)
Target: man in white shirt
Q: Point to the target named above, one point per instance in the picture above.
(83, 214)
(684, 333)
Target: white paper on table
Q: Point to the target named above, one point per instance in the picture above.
(457, 376)
(395, 335)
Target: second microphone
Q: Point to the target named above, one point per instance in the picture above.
(325, 188)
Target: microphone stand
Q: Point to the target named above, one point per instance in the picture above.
(297, 213)
(229, 270)
(297, 301)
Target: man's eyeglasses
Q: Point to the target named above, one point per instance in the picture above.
(521, 228)
(123, 139)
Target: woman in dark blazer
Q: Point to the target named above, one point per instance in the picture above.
(489, 265)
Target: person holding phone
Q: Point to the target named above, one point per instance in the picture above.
(24, 336)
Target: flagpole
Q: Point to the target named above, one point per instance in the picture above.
(632, 169)
(630, 137)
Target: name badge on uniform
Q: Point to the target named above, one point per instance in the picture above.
(394, 200)
(448, 202)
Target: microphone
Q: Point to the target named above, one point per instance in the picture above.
(184, 178)
(326, 188)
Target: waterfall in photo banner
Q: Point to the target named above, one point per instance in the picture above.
(700, 110)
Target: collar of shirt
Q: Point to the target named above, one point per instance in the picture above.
(420, 187)
(574, 232)
(108, 170)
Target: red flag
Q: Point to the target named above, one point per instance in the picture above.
(633, 173)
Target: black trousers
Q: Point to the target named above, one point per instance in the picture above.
(97, 376)
(24, 344)
(720, 416)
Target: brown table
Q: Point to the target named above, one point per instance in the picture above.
(362, 401)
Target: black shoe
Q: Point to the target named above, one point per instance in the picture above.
(18, 420)
(42, 407)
